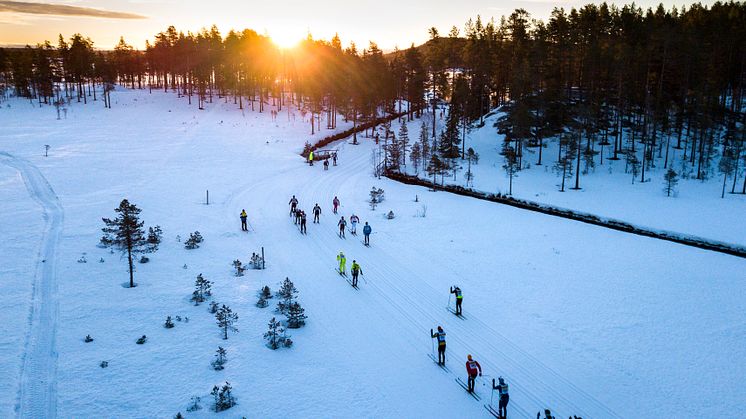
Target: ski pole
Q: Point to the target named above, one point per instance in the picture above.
(363, 275)
(432, 343)
(449, 300)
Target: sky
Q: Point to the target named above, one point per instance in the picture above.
(390, 23)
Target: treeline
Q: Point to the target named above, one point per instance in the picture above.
(605, 82)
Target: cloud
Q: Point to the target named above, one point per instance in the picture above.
(63, 10)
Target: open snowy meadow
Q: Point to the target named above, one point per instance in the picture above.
(580, 319)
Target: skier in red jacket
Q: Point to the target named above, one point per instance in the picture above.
(472, 368)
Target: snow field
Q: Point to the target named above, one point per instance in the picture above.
(579, 319)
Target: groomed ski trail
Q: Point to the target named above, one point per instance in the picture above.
(37, 391)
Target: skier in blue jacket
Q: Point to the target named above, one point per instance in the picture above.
(366, 233)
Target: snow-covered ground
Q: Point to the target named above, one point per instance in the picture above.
(607, 191)
(577, 318)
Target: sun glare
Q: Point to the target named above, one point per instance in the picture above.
(285, 40)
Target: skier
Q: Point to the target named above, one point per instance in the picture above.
(355, 269)
(326, 164)
(334, 158)
(342, 224)
(243, 220)
(293, 204)
(335, 203)
(310, 158)
(441, 336)
(459, 299)
(342, 261)
(502, 389)
(353, 222)
(366, 233)
(316, 213)
(303, 222)
(472, 368)
(298, 212)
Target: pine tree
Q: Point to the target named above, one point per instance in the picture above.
(564, 165)
(169, 323)
(226, 320)
(671, 180)
(202, 290)
(125, 233)
(424, 144)
(434, 167)
(238, 266)
(223, 397)
(193, 241)
(403, 142)
(154, 238)
(220, 359)
(274, 334)
(511, 164)
(287, 294)
(415, 156)
(296, 315)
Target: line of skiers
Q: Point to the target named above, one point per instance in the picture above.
(300, 219)
(473, 370)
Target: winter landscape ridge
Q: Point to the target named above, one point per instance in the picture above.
(578, 318)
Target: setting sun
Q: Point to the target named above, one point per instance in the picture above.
(286, 39)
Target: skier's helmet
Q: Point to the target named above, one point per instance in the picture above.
(468, 357)
(440, 329)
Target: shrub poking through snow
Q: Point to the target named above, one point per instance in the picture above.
(262, 302)
(193, 241)
(195, 404)
(179, 416)
(223, 396)
(266, 292)
(226, 320)
(213, 307)
(142, 339)
(144, 259)
(238, 266)
(88, 339)
(104, 364)
(220, 359)
(169, 323)
(202, 290)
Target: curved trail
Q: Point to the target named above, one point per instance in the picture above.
(37, 392)
(403, 295)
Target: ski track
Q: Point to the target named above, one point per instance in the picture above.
(37, 390)
(401, 293)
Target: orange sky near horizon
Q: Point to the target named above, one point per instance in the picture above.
(387, 22)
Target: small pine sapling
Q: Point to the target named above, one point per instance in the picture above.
(155, 234)
(266, 292)
(125, 233)
(213, 307)
(195, 404)
(202, 290)
(88, 339)
(274, 334)
(179, 416)
(142, 339)
(193, 241)
(144, 259)
(287, 293)
(104, 364)
(671, 180)
(226, 320)
(296, 316)
(238, 266)
(169, 323)
(220, 359)
(262, 302)
(223, 396)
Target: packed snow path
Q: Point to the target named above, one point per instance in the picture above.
(401, 294)
(37, 393)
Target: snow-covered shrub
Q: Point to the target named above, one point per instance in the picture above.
(82, 259)
(195, 404)
(262, 302)
(376, 197)
(238, 266)
(142, 339)
(88, 339)
(104, 364)
(179, 416)
(223, 396)
(144, 259)
(169, 323)
(287, 293)
(220, 359)
(193, 241)
(266, 292)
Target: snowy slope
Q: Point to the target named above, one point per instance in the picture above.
(579, 319)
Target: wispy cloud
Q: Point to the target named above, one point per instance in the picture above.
(63, 10)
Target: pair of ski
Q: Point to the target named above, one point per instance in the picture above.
(457, 379)
(492, 411)
(364, 243)
(350, 282)
(460, 316)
